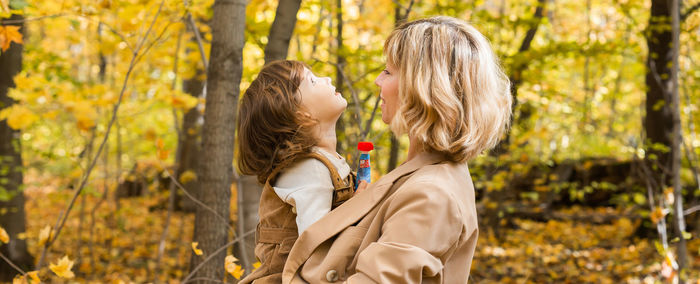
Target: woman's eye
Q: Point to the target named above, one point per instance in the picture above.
(313, 82)
(386, 72)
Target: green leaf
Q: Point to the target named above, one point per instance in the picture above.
(18, 4)
(639, 198)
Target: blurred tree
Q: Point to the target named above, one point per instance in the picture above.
(12, 217)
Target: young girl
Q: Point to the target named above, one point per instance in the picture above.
(286, 137)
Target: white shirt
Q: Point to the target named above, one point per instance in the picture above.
(308, 187)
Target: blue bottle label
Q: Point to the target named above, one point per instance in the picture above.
(364, 170)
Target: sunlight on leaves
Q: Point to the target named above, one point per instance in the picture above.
(18, 117)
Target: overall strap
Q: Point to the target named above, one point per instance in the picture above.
(338, 182)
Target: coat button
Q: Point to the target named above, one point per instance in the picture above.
(294, 210)
(332, 275)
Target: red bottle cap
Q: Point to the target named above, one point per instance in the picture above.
(365, 146)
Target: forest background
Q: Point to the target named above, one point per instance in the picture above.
(117, 133)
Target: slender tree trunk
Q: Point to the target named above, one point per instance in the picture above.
(216, 166)
(658, 121)
(14, 220)
(662, 121)
(189, 147)
(395, 144)
(678, 212)
(516, 78)
(281, 30)
(341, 143)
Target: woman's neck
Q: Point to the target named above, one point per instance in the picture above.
(414, 148)
(326, 137)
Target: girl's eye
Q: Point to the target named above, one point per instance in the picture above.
(386, 72)
(313, 82)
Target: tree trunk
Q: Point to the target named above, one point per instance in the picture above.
(662, 121)
(216, 164)
(395, 145)
(189, 147)
(341, 142)
(658, 122)
(281, 30)
(14, 220)
(678, 212)
(516, 79)
(393, 153)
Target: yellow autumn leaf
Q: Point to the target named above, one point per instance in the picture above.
(63, 268)
(163, 154)
(237, 272)
(18, 117)
(34, 276)
(19, 279)
(8, 34)
(4, 237)
(256, 265)
(44, 235)
(195, 249)
(657, 214)
(230, 265)
(188, 176)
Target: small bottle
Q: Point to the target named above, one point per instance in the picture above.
(364, 170)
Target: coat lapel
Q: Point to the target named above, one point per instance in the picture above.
(349, 213)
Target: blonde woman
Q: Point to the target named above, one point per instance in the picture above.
(444, 88)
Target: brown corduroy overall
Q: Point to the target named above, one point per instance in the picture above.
(277, 229)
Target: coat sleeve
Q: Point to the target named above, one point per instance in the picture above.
(422, 226)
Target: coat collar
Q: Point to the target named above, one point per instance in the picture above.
(349, 212)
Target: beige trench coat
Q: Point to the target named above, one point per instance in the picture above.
(416, 224)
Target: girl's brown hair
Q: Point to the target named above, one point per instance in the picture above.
(273, 128)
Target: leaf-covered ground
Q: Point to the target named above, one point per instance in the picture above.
(565, 251)
(123, 243)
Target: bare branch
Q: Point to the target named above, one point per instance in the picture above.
(13, 264)
(198, 36)
(10, 22)
(691, 210)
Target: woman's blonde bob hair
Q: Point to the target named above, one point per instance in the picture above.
(453, 96)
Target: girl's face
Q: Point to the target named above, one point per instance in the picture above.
(388, 82)
(319, 97)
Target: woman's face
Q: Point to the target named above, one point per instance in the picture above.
(388, 82)
(319, 97)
